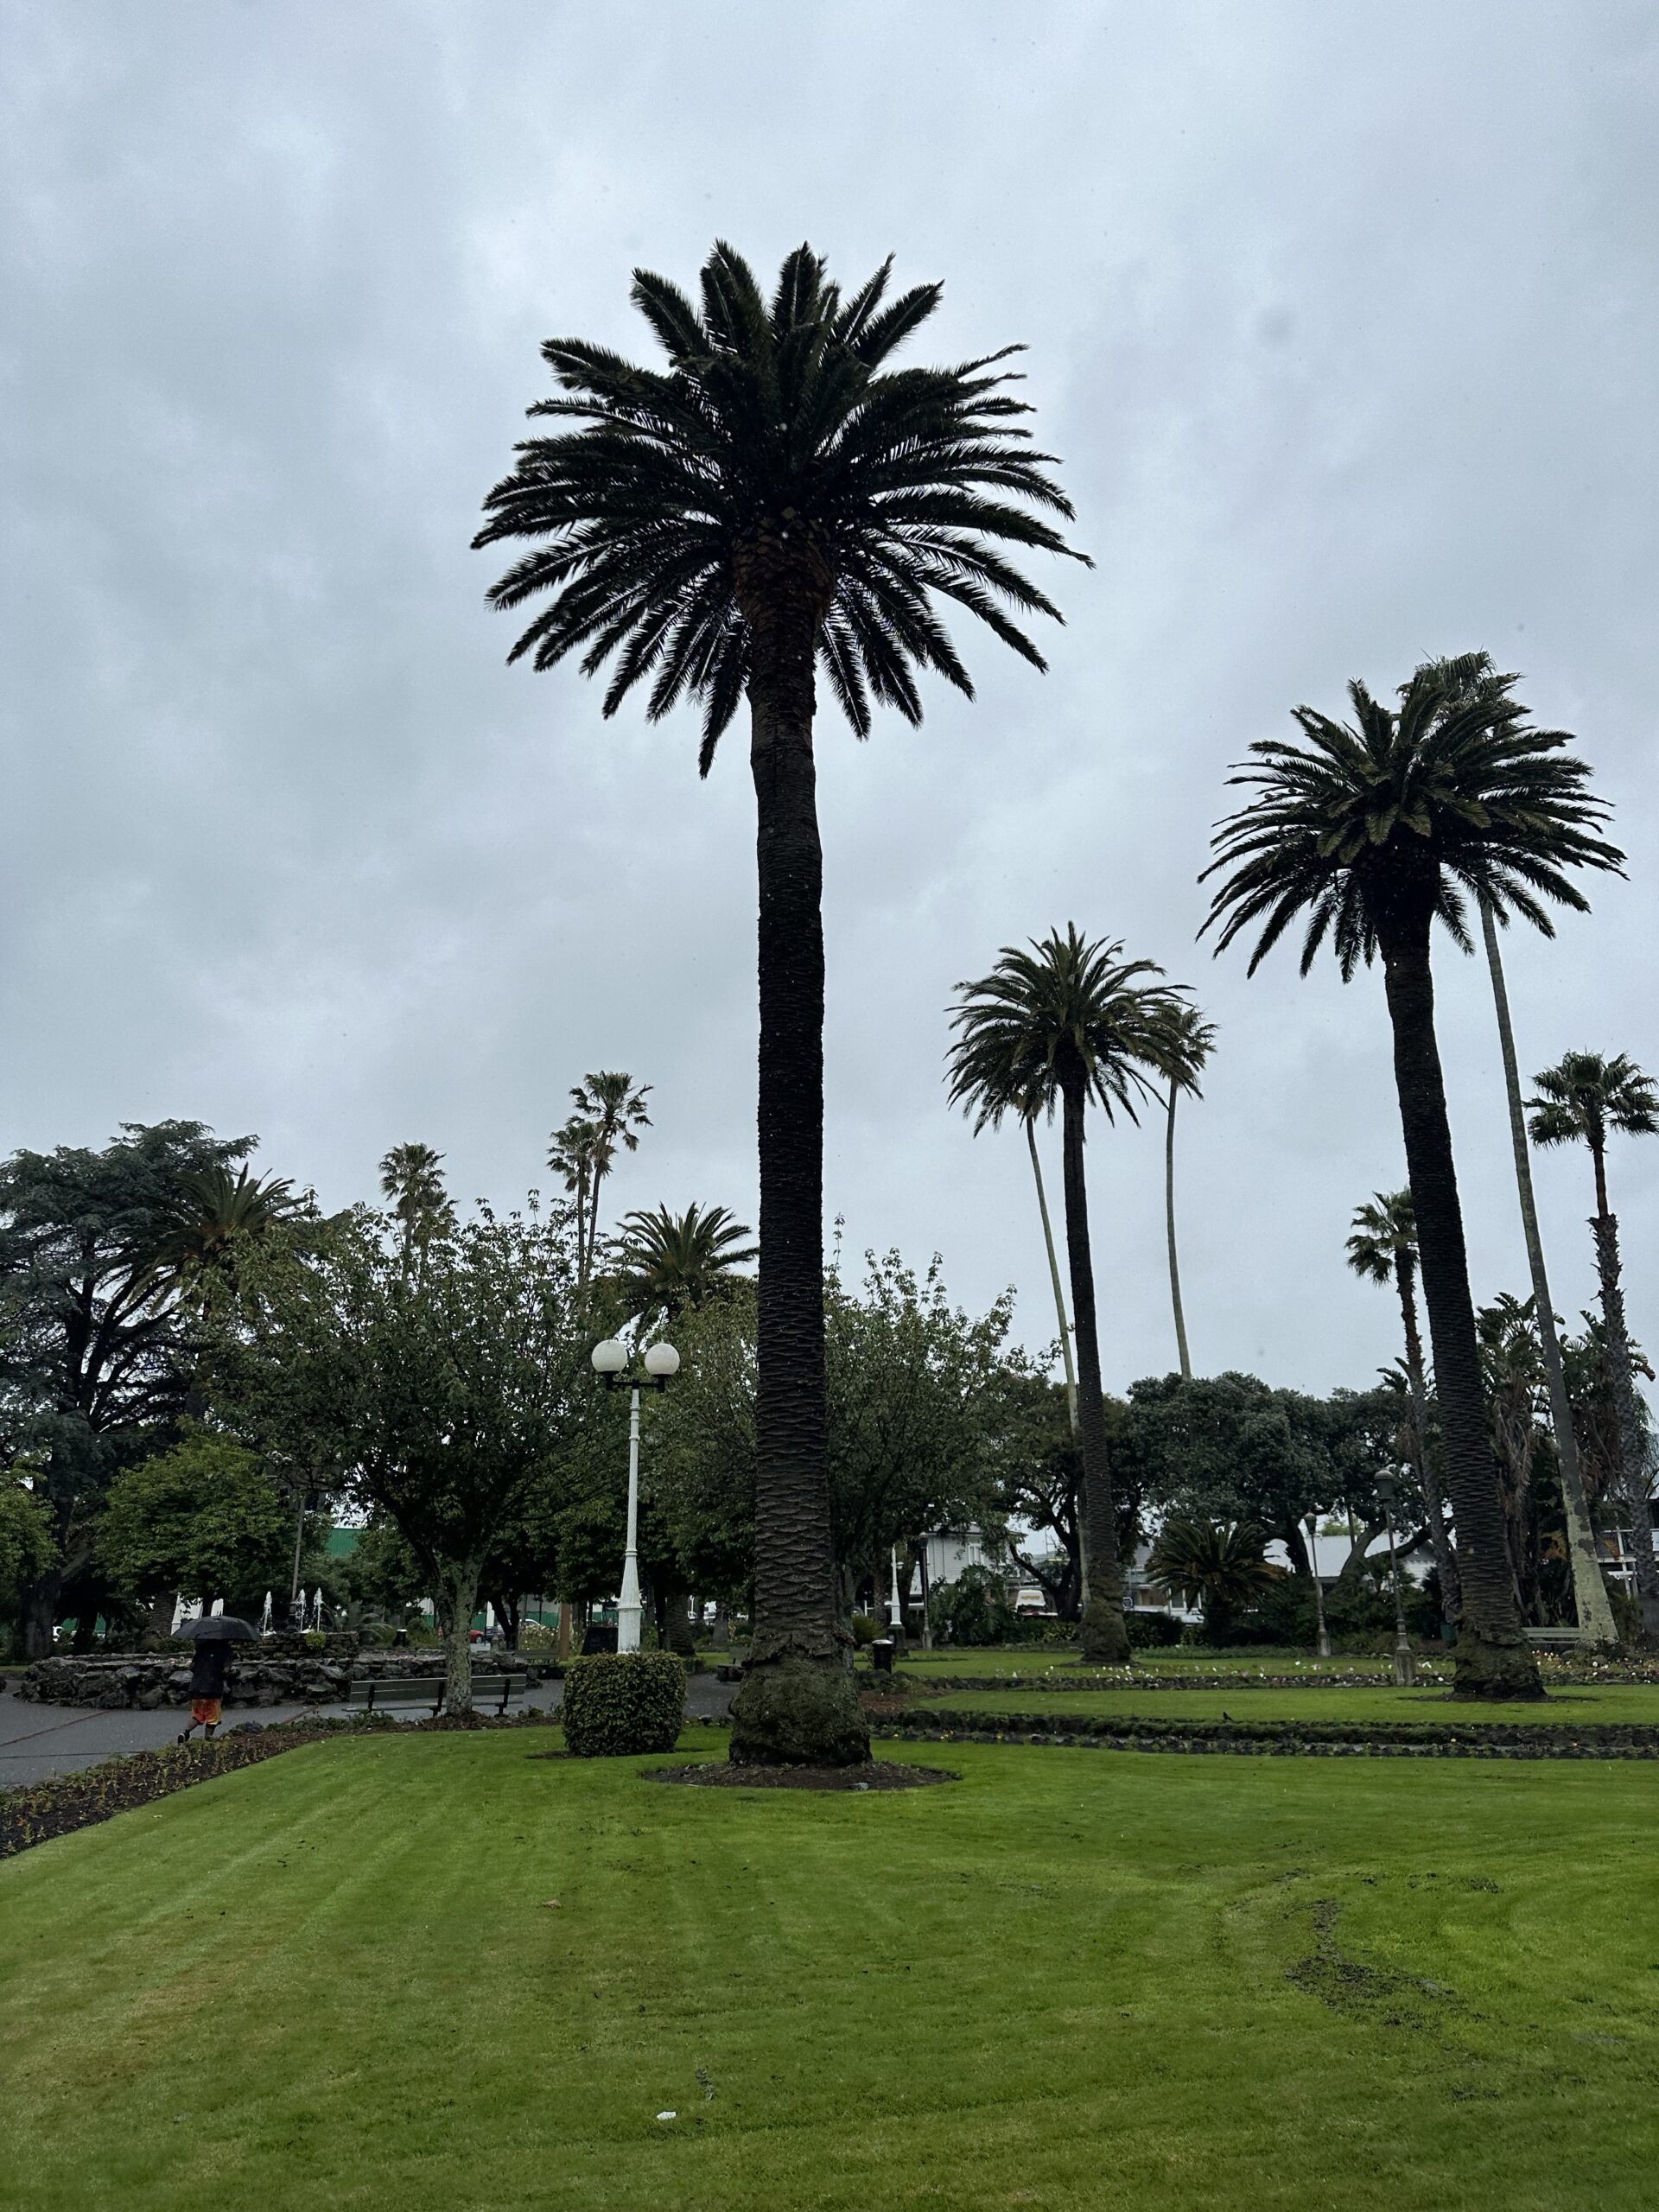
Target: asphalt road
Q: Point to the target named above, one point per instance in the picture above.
(37, 1741)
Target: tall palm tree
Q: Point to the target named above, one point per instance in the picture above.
(617, 1112)
(1586, 1099)
(667, 1261)
(1383, 1248)
(1194, 1039)
(1071, 1021)
(570, 1153)
(776, 502)
(1373, 831)
(412, 1177)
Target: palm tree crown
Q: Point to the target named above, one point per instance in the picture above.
(1385, 1235)
(1584, 1098)
(667, 1261)
(1189, 1042)
(1373, 829)
(411, 1176)
(773, 441)
(1067, 1006)
(213, 1212)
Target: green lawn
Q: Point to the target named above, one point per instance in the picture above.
(1614, 1702)
(1077, 1978)
(1001, 1661)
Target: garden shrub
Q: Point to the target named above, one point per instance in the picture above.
(866, 1628)
(618, 1704)
(972, 1610)
(1148, 1631)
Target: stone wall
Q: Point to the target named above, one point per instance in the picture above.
(145, 1680)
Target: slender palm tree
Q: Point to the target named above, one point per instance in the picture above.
(666, 1262)
(617, 1112)
(1373, 831)
(1194, 1040)
(412, 1177)
(774, 503)
(570, 1153)
(1383, 1248)
(1584, 1099)
(1071, 1021)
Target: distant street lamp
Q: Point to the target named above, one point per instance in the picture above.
(611, 1365)
(1318, 1586)
(1405, 1666)
(895, 1609)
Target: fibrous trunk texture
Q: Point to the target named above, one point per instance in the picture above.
(797, 1706)
(1105, 1635)
(1494, 1659)
(1589, 1591)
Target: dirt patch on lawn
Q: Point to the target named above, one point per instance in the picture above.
(879, 1774)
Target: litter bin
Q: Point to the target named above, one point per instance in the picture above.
(881, 1655)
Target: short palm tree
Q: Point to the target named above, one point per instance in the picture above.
(616, 1111)
(211, 1215)
(1221, 1566)
(412, 1177)
(666, 1262)
(1584, 1099)
(1373, 831)
(1193, 1039)
(776, 503)
(1070, 1021)
(1383, 1248)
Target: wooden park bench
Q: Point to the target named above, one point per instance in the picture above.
(1561, 1639)
(384, 1693)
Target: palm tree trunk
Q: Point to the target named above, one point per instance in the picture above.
(1493, 1657)
(1169, 1226)
(582, 1226)
(592, 1219)
(1054, 1277)
(1589, 1591)
(1632, 1444)
(797, 1706)
(1105, 1636)
(1446, 1562)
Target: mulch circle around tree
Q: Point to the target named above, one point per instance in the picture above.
(882, 1774)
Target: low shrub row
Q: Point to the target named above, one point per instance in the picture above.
(1457, 1738)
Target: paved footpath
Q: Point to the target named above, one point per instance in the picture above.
(37, 1741)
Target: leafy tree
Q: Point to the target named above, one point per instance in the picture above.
(1194, 1040)
(439, 1398)
(1584, 1099)
(666, 1262)
(1221, 1566)
(1383, 1248)
(773, 502)
(972, 1610)
(204, 1518)
(1373, 832)
(412, 1177)
(1071, 1021)
(383, 1571)
(26, 1540)
(1040, 1478)
(97, 1355)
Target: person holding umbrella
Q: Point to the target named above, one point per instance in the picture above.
(210, 1666)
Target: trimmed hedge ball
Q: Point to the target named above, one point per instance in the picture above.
(618, 1703)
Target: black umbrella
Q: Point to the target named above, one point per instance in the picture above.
(218, 1628)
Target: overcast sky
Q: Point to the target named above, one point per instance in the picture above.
(1342, 320)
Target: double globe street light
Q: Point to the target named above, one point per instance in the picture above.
(611, 1365)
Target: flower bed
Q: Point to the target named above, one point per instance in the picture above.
(1330, 1738)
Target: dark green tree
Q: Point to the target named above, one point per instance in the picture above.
(1220, 1565)
(1373, 831)
(1069, 1021)
(775, 502)
(203, 1519)
(97, 1355)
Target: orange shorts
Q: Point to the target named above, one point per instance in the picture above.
(206, 1710)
